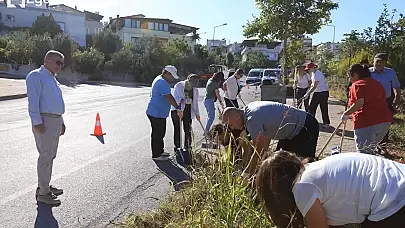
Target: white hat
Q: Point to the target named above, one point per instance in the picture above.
(172, 70)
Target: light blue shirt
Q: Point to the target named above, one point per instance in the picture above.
(44, 94)
(159, 106)
(388, 79)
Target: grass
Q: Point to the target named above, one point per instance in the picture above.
(215, 198)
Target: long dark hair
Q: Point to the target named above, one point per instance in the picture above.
(218, 77)
(361, 70)
(274, 183)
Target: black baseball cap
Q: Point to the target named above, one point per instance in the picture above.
(381, 56)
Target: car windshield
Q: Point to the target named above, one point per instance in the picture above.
(274, 73)
(255, 74)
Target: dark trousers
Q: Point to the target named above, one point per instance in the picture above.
(231, 103)
(300, 94)
(304, 144)
(390, 103)
(395, 221)
(186, 128)
(321, 99)
(158, 133)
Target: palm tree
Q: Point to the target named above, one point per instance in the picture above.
(195, 36)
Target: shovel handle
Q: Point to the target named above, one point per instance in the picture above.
(329, 139)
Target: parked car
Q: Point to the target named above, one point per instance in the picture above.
(254, 76)
(272, 87)
(271, 76)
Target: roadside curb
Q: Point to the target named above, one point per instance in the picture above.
(13, 97)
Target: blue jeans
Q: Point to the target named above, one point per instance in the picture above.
(210, 107)
(367, 138)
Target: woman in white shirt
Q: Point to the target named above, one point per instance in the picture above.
(232, 89)
(347, 188)
(321, 93)
(302, 81)
(186, 95)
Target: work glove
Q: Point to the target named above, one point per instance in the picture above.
(344, 117)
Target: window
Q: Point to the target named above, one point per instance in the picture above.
(127, 23)
(62, 25)
(10, 18)
(151, 25)
(161, 27)
(134, 39)
(166, 27)
(138, 24)
(156, 26)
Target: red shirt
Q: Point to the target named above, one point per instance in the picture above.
(375, 109)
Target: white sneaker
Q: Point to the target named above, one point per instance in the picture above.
(161, 158)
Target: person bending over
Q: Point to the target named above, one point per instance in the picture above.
(296, 130)
(342, 189)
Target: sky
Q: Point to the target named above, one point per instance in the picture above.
(206, 14)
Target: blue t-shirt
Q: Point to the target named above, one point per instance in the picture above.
(388, 79)
(159, 106)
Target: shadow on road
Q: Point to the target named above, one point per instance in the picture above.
(45, 217)
(101, 139)
(175, 173)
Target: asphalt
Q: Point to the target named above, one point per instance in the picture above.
(102, 182)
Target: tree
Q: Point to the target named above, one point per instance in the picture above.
(107, 42)
(176, 52)
(229, 60)
(323, 58)
(19, 47)
(65, 44)
(296, 54)
(286, 19)
(46, 24)
(41, 45)
(88, 62)
(123, 60)
(256, 60)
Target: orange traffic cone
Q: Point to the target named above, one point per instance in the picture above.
(97, 129)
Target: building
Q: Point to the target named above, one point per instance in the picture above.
(131, 28)
(307, 44)
(212, 44)
(271, 49)
(235, 48)
(93, 22)
(72, 21)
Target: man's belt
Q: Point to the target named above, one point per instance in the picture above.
(51, 115)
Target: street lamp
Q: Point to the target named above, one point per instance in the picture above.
(213, 35)
(334, 33)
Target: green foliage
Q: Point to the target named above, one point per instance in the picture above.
(19, 48)
(107, 42)
(41, 45)
(88, 62)
(257, 60)
(46, 24)
(296, 54)
(64, 44)
(123, 60)
(282, 20)
(230, 60)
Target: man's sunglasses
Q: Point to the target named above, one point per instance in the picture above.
(59, 63)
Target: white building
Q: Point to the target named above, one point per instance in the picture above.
(335, 48)
(71, 21)
(93, 22)
(212, 44)
(271, 49)
(131, 28)
(235, 48)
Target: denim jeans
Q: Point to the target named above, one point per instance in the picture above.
(367, 138)
(210, 107)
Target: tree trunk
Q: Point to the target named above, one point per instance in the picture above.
(286, 80)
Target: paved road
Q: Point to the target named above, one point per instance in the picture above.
(102, 182)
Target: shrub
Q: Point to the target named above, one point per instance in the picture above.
(41, 45)
(65, 44)
(122, 61)
(88, 62)
(19, 47)
(107, 42)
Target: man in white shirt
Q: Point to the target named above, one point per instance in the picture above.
(232, 89)
(321, 93)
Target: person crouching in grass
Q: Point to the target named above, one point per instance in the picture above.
(343, 189)
(238, 140)
(368, 108)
